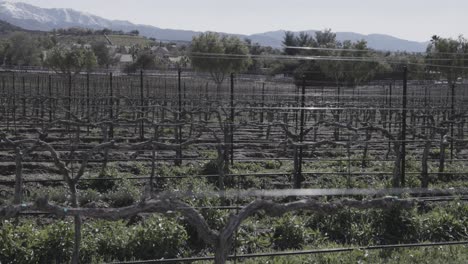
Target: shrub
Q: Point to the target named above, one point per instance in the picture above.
(288, 233)
(251, 238)
(102, 185)
(158, 237)
(55, 243)
(109, 239)
(273, 165)
(210, 168)
(396, 225)
(13, 243)
(344, 226)
(25, 243)
(124, 194)
(88, 196)
(445, 224)
(120, 198)
(57, 195)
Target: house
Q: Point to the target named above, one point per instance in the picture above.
(182, 61)
(160, 52)
(124, 59)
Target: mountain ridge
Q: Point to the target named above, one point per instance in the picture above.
(46, 19)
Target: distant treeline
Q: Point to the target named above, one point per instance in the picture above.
(78, 31)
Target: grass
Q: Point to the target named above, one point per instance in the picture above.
(126, 40)
(303, 231)
(443, 254)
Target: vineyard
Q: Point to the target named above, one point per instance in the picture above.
(171, 167)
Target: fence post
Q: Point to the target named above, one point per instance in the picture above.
(14, 103)
(23, 100)
(88, 111)
(263, 104)
(452, 123)
(38, 93)
(299, 177)
(69, 94)
(142, 107)
(69, 100)
(50, 97)
(111, 105)
(232, 119)
(403, 130)
(178, 160)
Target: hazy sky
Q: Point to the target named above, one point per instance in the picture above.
(409, 19)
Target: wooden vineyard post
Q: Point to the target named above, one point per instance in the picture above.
(153, 161)
(348, 153)
(262, 118)
(299, 178)
(296, 112)
(263, 104)
(185, 92)
(403, 130)
(49, 85)
(69, 95)
(336, 133)
(142, 107)
(425, 107)
(163, 112)
(178, 133)
(68, 117)
(390, 112)
(38, 92)
(88, 112)
(232, 120)
(390, 106)
(452, 122)
(111, 106)
(14, 103)
(23, 96)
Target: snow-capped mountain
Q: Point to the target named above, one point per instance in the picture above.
(36, 18)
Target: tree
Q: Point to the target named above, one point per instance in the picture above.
(22, 50)
(103, 55)
(146, 61)
(310, 69)
(332, 61)
(219, 55)
(305, 40)
(289, 41)
(447, 57)
(415, 62)
(354, 63)
(4, 48)
(258, 63)
(71, 61)
(325, 38)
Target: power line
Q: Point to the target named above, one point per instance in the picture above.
(319, 58)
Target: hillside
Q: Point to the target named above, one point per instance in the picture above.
(36, 18)
(6, 27)
(117, 40)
